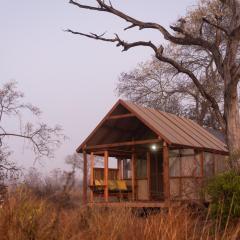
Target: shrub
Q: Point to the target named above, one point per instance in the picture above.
(23, 216)
(224, 191)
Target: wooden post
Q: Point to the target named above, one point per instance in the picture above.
(149, 175)
(119, 169)
(202, 172)
(84, 182)
(133, 167)
(202, 164)
(166, 180)
(106, 176)
(180, 174)
(91, 175)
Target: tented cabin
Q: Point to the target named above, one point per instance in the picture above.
(150, 158)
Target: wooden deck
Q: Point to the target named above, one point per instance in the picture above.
(136, 204)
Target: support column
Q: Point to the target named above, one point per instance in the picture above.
(201, 164)
(181, 174)
(91, 175)
(106, 176)
(133, 167)
(84, 182)
(149, 175)
(166, 180)
(119, 166)
(202, 172)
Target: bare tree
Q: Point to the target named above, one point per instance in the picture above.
(156, 84)
(214, 28)
(42, 138)
(75, 160)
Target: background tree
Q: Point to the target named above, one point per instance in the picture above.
(75, 160)
(214, 29)
(40, 137)
(156, 84)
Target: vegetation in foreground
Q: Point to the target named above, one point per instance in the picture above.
(27, 216)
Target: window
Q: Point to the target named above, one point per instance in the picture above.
(141, 168)
(189, 163)
(220, 163)
(184, 162)
(208, 164)
(174, 163)
(127, 169)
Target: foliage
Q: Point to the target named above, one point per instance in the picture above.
(58, 187)
(23, 216)
(224, 191)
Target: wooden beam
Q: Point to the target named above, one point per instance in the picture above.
(91, 175)
(84, 182)
(149, 174)
(185, 177)
(127, 115)
(128, 143)
(166, 180)
(133, 167)
(101, 153)
(114, 152)
(139, 204)
(106, 176)
(177, 146)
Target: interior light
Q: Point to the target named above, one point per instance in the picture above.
(154, 147)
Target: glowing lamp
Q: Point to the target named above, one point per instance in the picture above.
(154, 147)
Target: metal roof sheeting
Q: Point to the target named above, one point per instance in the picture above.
(176, 130)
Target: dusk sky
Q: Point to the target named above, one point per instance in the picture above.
(70, 78)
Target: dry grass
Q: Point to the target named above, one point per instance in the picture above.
(24, 216)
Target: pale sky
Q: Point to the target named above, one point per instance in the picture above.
(72, 79)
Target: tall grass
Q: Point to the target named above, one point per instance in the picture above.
(25, 216)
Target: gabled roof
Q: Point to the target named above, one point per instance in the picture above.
(171, 128)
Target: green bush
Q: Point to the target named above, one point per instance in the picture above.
(224, 192)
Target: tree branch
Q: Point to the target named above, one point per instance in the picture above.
(126, 46)
(87, 7)
(185, 40)
(159, 55)
(216, 26)
(182, 69)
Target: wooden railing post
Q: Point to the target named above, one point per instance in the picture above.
(166, 180)
(91, 175)
(84, 182)
(106, 176)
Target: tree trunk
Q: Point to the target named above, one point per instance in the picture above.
(232, 117)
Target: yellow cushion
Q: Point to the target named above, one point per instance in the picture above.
(112, 185)
(101, 182)
(97, 182)
(121, 184)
